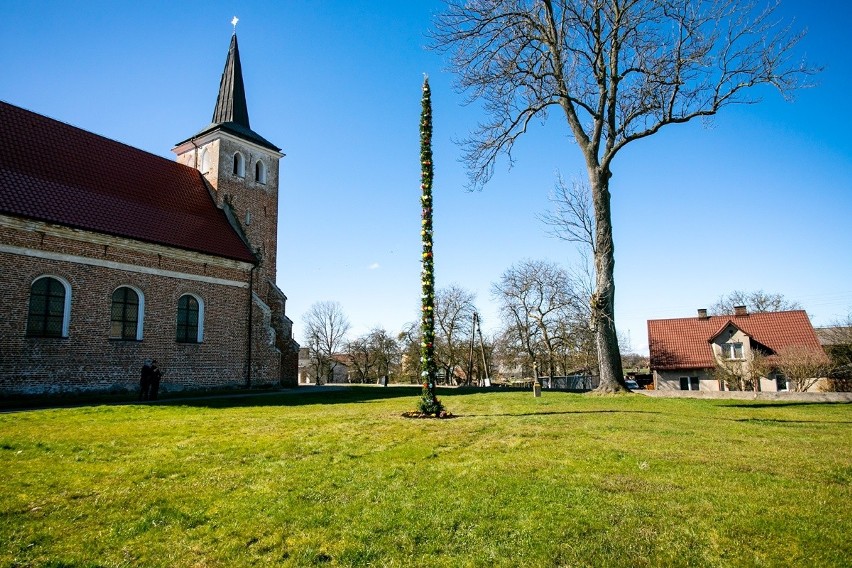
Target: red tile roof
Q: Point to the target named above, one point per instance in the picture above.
(684, 343)
(55, 172)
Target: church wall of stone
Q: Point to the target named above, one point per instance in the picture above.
(265, 356)
(255, 205)
(88, 359)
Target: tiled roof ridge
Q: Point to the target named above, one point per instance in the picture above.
(732, 317)
(67, 124)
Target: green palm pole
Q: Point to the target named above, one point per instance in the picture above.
(429, 403)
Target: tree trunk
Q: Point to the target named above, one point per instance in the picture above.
(603, 300)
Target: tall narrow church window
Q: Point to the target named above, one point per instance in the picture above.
(126, 314)
(50, 307)
(204, 160)
(239, 165)
(260, 172)
(190, 319)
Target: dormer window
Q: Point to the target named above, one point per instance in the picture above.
(239, 165)
(260, 172)
(732, 350)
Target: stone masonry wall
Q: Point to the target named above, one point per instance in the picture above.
(254, 204)
(95, 265)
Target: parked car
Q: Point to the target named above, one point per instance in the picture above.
(632, 385)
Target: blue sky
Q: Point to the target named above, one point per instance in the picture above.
(760, 198)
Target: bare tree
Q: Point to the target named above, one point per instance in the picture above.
(387, 353)
(510, 359)
(318, 364)
(409, 340)
(837, 342)
(573, 217)
(803, 367)
(619, 70)
(755, 302)
(540, 309)
(361, 359)
(454, 308)
(373, 355)
(326, 327)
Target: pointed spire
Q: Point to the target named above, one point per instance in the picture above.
(231, 113)
(231, 102)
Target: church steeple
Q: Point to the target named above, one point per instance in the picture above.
(231, 103)
(231, 112)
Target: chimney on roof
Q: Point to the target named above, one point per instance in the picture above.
(740, 311)
(702, 314)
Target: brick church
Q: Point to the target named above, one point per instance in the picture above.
(111, 256)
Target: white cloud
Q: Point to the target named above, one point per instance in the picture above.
(374, 266)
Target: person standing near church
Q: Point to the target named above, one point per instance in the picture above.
(156, 376)
(145, 381)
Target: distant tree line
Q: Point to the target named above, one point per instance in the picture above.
(545, 328)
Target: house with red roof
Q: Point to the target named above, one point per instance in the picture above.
(685, 352)
(111, 256)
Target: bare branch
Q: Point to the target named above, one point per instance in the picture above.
(544, 310)
(755, 302)
(620, 70)
(572, 218)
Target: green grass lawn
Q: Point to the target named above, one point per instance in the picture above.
(340, 478)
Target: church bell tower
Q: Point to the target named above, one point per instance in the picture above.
(241, 169)
(240, 165)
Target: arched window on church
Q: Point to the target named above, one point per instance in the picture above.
(126, 314)
(239, 165)
(190, 319)
(260, 172)
(50, 307)
(204, 160)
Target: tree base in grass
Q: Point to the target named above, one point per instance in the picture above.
(417, 414)
(604, 390)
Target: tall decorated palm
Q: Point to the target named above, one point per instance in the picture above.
(429, 403)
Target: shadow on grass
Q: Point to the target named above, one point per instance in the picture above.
(330, 394)
(334, 394)
(558, 412)
(324, 395)
(777, 404)
(214, 399)
(784, 421)
(782, 404)
(299, 396)
(346, 394)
